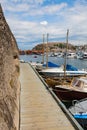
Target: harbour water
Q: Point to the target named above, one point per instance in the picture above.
(80, 64)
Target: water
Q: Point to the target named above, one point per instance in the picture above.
(80, 64)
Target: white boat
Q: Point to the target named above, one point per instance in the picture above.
(71, 55)
(83, 56)
(60, 54)
(22, 61)
(36, 64)
(79, 111)
(59, 71)
(53, 54)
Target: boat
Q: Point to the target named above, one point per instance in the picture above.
(59, 71)
(83, 56)
(60, 54)
(76, 90)
(36, 64)
(79, 111)
(40, 66)
(54, 54)
(57, 81)
(35, 56)
(71, 55)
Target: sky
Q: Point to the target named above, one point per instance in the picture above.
(30, 19)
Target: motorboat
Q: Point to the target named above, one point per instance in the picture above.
(22, 61)
(36, 64)
(76, 90)
(79, 111)
(60, 54)
(35, 56)
(54, 54)
(71, 55)
(83, 56)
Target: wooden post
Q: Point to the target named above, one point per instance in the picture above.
(43, 51)
(66, 53)
(47, 51)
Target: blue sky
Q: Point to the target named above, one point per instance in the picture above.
(30, 19)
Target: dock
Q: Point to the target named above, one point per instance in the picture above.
(39, 110)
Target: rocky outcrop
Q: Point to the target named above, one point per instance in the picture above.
(9, 73)
(52, 46)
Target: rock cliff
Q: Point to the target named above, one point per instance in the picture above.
(9, 74)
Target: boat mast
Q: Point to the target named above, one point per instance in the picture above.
(43, 51)
(47, 51)
(66, 52)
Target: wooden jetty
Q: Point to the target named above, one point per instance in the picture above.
(39, 110)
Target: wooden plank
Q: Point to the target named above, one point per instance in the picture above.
(39, 111)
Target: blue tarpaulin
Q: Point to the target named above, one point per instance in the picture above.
(71, 68)
(50, 64)
(68, 67)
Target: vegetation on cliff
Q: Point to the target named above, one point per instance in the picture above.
(54, 46)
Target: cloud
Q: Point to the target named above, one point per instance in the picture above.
(30, 19)
(43, 22)
(54, 8)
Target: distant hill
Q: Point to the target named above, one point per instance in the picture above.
(54, 46)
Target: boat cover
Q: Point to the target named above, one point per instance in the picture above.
(50, 64)
(71, 68)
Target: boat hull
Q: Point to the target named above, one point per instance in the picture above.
(69, 95)
(61, 73)
(82, 122)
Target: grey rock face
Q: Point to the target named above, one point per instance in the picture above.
(9, 73)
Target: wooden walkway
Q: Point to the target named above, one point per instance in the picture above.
(39, 110)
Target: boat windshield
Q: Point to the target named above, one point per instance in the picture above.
(79, 83)
(76, 83)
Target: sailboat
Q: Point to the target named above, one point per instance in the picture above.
(63, 70)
